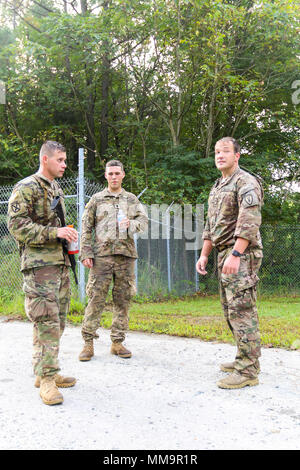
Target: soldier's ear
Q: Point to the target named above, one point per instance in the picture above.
(44, 159)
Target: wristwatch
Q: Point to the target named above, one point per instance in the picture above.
(236, 253)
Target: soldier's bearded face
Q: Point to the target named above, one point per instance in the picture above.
(55, 165)
(114, 176)
(225, 157)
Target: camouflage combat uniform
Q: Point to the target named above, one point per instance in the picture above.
(234, 210)
(43, 264)
(113, 255)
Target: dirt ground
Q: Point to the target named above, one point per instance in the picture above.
(164, 397)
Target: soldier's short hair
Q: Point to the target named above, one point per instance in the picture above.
(114, 163)
(236, 145)
(50, 147)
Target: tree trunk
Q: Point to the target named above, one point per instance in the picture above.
(105, 93)
(104, 106)
(90, 120)
(83, 6)
(211, 116)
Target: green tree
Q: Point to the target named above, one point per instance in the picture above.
(155, 83)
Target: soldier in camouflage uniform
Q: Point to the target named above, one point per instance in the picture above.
(110, 256)
(45, 267)
(232, 226)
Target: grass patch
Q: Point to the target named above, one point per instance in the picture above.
(202, 317)
(194, 317)
(12, 305)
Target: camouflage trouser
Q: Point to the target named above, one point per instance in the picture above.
(120, 269)
(47, 298)
(238, 299)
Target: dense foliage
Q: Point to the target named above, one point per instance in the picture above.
(155, 83)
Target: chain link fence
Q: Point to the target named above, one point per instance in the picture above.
(164, 266)
(279, 273)
(10, 275)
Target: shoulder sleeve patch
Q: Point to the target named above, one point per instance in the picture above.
(15, 207)
(250, 198)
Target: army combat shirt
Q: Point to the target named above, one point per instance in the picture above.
(33, 224)
(234, 210)
(100, 219)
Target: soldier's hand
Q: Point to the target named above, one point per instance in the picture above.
(231, 265)
(124, 224)
(88, 263)
(201, 265)
(69, 233)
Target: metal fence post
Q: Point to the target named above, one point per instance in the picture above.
(80, 205)
(168, 245)
(136, 247)
(196, 252)
(136, 266)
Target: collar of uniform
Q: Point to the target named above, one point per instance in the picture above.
(226, 180)
(44, 178)
(107, 193)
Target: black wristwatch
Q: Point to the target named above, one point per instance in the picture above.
(236, 253)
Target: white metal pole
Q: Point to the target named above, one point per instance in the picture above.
(136, 245)
(81, 203)
(168, 246)
(196, 252)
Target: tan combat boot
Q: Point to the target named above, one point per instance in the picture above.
(49, 392)
(227, 367)
(230, 367)
(119, 350)
(60, 381)
(237, 381)
(87, 352)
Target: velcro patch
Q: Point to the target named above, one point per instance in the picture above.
(15, 207)
(250, 199)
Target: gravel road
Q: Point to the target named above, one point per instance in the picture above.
(164, 397)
